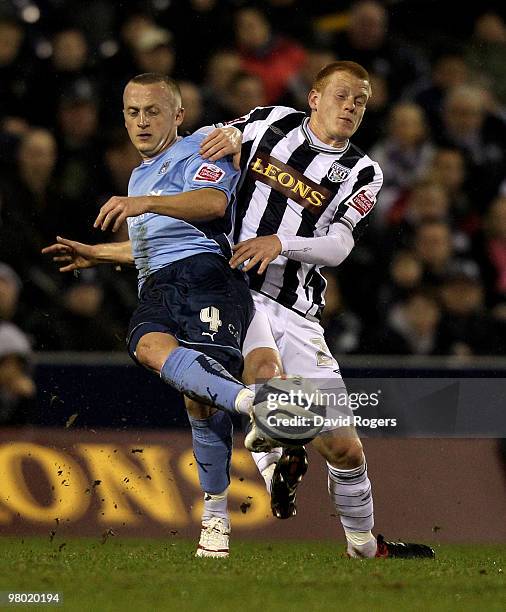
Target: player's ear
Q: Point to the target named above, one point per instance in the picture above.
(179, 116)
(313, 99)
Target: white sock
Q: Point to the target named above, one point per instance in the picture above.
(216, 505)
(361, 544)
(244, 401)
(359, 538)
(266, 463)
(350, 492)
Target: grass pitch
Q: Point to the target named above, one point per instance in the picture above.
(155, 575)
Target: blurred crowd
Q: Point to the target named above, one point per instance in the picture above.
(427, 277)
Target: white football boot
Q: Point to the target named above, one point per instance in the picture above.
(257, 441)
(214, 538)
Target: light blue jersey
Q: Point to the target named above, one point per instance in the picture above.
(158, 240)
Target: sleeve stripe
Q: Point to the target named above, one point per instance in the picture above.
(345, 222)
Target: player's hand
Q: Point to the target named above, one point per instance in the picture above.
(222, 142)
(263, 249)
(117, 209)
(77, 254)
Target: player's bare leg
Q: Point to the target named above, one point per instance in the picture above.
(212, 448)
(262, 364)
(193, 373)
(281, 469)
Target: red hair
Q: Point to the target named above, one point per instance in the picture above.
(327, 71)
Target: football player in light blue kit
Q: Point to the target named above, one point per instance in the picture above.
(193, 309)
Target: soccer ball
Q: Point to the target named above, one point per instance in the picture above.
(288, 410)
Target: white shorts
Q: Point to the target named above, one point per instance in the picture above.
(300, 342)
(303, 351)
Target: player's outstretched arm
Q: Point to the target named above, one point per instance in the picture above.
(222, 142)
(198, 205)
(77, 255)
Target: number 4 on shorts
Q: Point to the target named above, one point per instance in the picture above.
(211, 315)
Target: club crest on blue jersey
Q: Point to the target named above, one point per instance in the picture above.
(164, 167)
(338, 173)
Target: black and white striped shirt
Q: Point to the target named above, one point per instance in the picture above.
(294, 185)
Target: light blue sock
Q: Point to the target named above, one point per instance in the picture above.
(212, 448)
(201, 378)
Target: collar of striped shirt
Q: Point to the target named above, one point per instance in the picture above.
(318, 145)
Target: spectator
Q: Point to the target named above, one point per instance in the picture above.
(427, 201)
(153, 51)
(76, 316)
(223, 65)
(80, 159)
(30, 202)
(404, 276)
(131, 27)
(448, 168)
(377, 113)
(486, 51)
(403, 154)
(342, 326)
(31, 208)
(15, 71)
(468, 125)
(17, 388)
(205, 21)
(411, 327)
(272, 57)
(300, 83)
(119, 67)
(434, 248)
(466, 329)
(85, 323)
(490, 249)
(193, 107)
(293, 14)
(68, 68)
(246, 91)
(449, 70)
(10, 286)
(120, 159)
(366, 40)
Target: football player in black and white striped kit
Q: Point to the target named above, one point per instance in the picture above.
(304, 195)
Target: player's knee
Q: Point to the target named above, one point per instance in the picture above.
(146, 354)
(266, 370)
(153, 349)
(345, 453)
(142, 351)
(260, 365)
